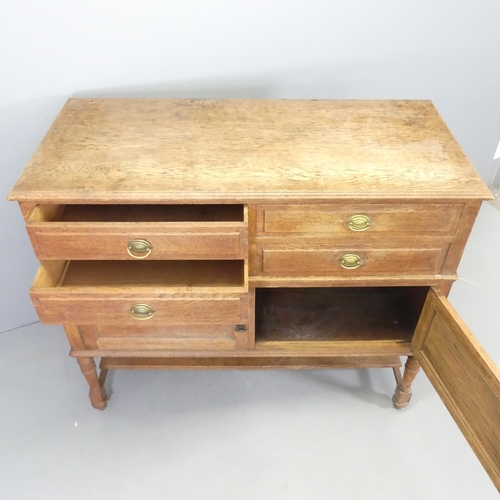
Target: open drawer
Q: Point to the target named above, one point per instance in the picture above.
(416, 321)
(132, 293)
(128, 232)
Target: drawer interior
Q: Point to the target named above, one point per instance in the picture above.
(139, 213)
(337, 314)
(116, 273)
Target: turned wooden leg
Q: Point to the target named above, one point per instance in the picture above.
(97, 393)
(402, 395)
(102, 376)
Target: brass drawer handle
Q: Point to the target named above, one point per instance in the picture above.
(141, 311)
(350, 261)
(359, 222)
(139, 249)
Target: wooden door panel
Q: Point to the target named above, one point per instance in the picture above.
(464, 376)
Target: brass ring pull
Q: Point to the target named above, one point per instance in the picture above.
(350, 261)
(359, 222)
(139, 249)
(141, 311)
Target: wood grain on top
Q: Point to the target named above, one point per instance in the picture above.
(175, 150)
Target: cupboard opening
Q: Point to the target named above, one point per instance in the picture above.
(298, 315)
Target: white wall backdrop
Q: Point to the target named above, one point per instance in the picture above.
(444, 50)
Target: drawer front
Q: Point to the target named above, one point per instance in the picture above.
(358, 220)
(98, 308)
(146, 337)
(310, 261)
(156, 241)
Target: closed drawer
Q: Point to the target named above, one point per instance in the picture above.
(132, 293)
(143, 336)
(318, 260)
(358, 221)
(154, 232)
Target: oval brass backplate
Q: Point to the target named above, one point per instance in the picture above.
(350, 261)
(139, 248)
(141, 311)
(359, 222)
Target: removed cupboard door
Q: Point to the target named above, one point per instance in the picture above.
(464, 376)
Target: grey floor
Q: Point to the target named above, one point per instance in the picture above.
(246, 435)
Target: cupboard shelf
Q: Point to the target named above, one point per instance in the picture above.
(326, 317)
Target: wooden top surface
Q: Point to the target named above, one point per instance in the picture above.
(180, 150)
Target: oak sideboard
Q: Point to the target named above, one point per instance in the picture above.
(260, 234)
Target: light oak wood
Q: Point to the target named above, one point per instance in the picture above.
(75, 339)
(246, 205)
(251, 318)
(89, 335)
(350, 281)
(99, 292)
(93, 307)
(146, 213)
(142, 329)
(324, 260)
(254, 363)
(183, 276)
(402, 395)
(170, 345)
(162, 336)
(332, 220)
(465, 226)
(50, 274)
(335, 348)
(348, 349)
(211, 340)
(464, 376)
(103, 232)
(27, 208)
(334, 320)
(174, 241)
(44, 213)
(334, 314)
(97, 394)
(161, 150)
